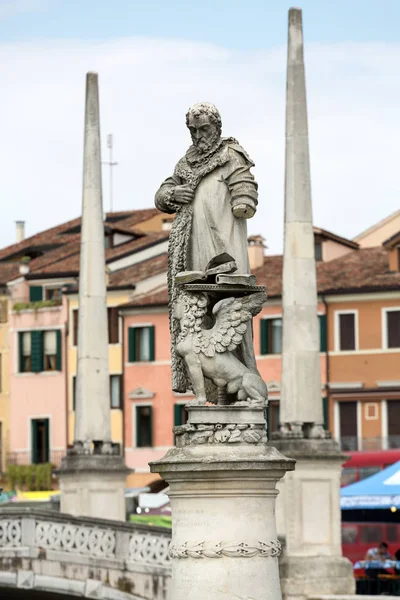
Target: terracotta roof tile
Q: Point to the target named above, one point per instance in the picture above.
(157, 297)
(140, 271)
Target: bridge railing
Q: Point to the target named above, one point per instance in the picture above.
(54, 536)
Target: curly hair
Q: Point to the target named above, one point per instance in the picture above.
(205, 108)
(194, 308)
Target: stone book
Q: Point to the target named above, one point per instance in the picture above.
(236, 279)
(223, 263)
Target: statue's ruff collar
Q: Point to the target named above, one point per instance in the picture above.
(195, 158)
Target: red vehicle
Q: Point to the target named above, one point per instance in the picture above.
(358, 538)
(365, 529)
(364, 464)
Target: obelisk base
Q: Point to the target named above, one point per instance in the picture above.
(93, 486)
(309, 521)
(222, 478)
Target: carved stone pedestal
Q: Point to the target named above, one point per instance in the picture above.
(93, 486)
(222, 478)
(308, 519)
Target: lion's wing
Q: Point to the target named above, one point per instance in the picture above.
(232, 319)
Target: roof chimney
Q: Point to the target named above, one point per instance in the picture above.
(256, 251)
(20, 231)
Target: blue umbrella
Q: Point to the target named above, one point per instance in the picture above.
(381, 490)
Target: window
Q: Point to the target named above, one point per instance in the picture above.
(53, 294)
(392, 328)
(346, 331)
(115, 391)
(272, 418)
(348, 425)
(180, 415)
(75, 315)
(271, 336)
(113, 325)
(144, 426)
(40, 351)
(3, 311)
(318, 251)
(141, 344)
(25, 352)
(393, 408)
(35, 293)
(50, 350)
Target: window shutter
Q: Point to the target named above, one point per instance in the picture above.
(267, 420)
(322, 333)
(20, 352)
(35, 293)
(75, 316)
(264, 337)
(131, 344)
(58, 355)
(37, 351)
(325, 412)
(177, 415)
(152, 343)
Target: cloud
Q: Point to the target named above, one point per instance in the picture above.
(146, 86)
(9, 8)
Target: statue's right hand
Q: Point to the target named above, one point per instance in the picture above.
(183, 194)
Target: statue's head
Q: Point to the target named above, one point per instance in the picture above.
(204, 123)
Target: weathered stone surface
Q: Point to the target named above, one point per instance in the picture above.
(224, 540)
(301, 384)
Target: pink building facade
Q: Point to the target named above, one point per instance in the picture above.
(38, 423)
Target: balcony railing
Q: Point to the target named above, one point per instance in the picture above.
(27, 458)
(353, 443)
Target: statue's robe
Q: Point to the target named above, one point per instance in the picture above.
(207, 227)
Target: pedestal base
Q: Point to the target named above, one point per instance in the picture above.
(222, 479)
(309, 521)
(93, 486)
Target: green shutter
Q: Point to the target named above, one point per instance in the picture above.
(264, 336)
(152, 343)
(325, 409)
(34, 441)
(20, 352)
(35, 293)
(37, 351)
(58, 355)
(177, 415)
(322, 332)
(131, 344)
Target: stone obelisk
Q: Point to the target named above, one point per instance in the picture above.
(92, 476)
(301, 405)
(308, 510)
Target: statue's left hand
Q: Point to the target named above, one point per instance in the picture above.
(243, 211)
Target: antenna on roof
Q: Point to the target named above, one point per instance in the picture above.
(111, 164)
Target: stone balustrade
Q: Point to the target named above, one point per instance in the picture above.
(125, 556)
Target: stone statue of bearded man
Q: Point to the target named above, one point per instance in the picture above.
(212, 192)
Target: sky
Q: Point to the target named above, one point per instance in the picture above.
(155, 58)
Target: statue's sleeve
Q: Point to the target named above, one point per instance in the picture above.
(164, 199)
(240, 181)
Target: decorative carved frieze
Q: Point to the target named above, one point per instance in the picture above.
(272, 548)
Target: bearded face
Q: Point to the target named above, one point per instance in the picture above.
(204, 133)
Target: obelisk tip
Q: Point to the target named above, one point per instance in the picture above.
(295, 17)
